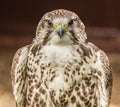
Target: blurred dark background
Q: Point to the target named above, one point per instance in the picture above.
(18, 22)
(103, 13)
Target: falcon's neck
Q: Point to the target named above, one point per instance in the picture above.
(60, 42)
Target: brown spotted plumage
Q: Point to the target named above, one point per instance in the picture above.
(60, 68)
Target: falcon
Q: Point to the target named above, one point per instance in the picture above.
(60, 68)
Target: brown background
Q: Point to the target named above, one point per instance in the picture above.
(18, 21)
(92, 12)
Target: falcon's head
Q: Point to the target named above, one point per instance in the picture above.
(60, 27)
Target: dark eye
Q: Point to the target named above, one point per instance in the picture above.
(70, 22)
(49, 22)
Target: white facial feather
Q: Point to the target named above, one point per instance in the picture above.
(60, 20)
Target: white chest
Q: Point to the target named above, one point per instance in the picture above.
(59, 55)
(59, 58)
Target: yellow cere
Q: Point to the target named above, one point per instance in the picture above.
(63, 25)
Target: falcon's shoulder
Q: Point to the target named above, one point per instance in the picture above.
(18, 62)
(102, 57)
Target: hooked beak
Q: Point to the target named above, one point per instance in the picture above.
(60, 31)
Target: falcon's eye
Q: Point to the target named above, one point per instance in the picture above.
(70, 22)
(49, 22)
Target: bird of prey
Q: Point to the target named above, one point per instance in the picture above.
(60, 68)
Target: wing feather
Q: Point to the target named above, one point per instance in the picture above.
(106, 82)
(18, 75)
